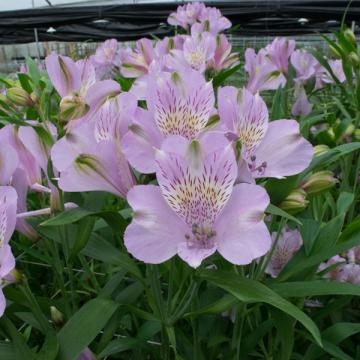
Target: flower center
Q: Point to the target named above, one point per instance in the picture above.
(202, 237)
(260, 169)
(196, 59)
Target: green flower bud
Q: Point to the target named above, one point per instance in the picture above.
(56, 316)
(355, 60)
(320, 149)
(350, 36)
(295, 202)
(356, 135)
(73, 107)
(319, 182)
(19, 96)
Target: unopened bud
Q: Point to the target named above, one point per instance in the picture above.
(319, 182)
(295, 202)
(73, 107)
(19, 96)
(350, 36)
(56, 316)
(355, 60)
(349, 130)
(320, 149)
(356, 135)
(35, 98)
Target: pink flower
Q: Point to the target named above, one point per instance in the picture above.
(8, 200)
(279, 52)
(323, 76)
(306, 66)
(213, 21)
(223, 57)
(186, 15)
(89, 157)
(288, 243)
(196, 209)
(106, 53)
(178, 104)
(302, 106)
(269, 149)
(349, 273)
(135, 63)
(263, 74)
(334, 272)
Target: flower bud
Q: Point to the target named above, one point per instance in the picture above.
(350, 36)
(56, 316)
(73, 107)
(319, 182)
(320, 149)
(356, 135)
(19, 96)
(355, 60)
(295, 202)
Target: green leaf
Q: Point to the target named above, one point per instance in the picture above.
(309, 231)
(49, 349)
(7, 351)
(331, 156)
(274, 210)
(300, 262)
(33, 70)
(225, 303)
(279, 189)
(314, 288)
(84, 231)
(100, 249)
(344, 202)
(251, 291)
(114, 219)
(84, 326)
(25, 82)
(224, 74)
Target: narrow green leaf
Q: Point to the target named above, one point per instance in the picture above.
(84, 326)
(274, 210)
(309, 231)
(251, 291)
(344, 202)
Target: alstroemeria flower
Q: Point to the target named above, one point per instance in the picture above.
(323, 77)
(213, 21)
(135, 63)
(302, 105)
(279, 52)
(270, 149)
(305, 65)
(198, 49)
(263, 74)
(223, 57)
(105, 53)
(196, 209)
(335, 263)
(178, 104)
(186, 15)
(288, 243)
(89, 158)
(8, 200)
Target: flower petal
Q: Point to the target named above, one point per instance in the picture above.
(242, 233)
(284, 151)
(8, 203)
(156, 231)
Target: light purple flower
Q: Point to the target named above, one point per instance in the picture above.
(334, 272)
(213, 21)
(270, 149)
(223, 57)
(305, 65)
(263, 74)
(301, 106)
(288, 243)
(178, 104)
(89, 158)
(106, 53)
(186, 15)
(349, 273)
(8, 200)
(198, 49)
(135, 63)
(86, 354)
(197, 210)
(323, 77)
(279, 52)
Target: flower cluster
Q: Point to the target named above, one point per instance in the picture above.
(151, 125)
